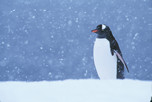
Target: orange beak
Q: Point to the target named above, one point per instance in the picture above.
(94, 31)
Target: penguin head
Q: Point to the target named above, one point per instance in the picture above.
(102, 30)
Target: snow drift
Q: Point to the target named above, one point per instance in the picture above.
(76, 91)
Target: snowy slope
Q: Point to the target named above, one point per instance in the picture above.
(76, 91)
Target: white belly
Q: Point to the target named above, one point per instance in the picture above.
(105, 63)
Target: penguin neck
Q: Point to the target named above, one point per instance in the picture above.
(109, 37)
(101, 36)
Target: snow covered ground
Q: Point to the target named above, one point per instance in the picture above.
(76, 91)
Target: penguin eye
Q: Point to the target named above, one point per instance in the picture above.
(99, 27)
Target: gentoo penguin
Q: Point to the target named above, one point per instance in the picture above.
(108, 58)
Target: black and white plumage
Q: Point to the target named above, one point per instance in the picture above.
(108, 58)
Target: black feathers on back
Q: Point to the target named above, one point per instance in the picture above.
(114, 46)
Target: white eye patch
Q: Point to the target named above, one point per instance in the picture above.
(103, 27)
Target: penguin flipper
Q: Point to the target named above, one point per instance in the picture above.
(121, 59)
